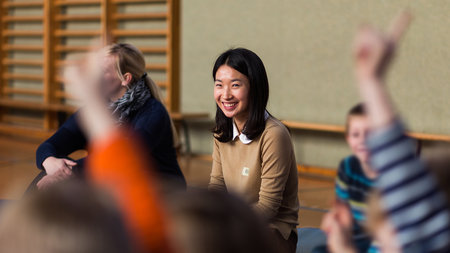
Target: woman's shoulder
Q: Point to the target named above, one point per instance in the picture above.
(273, 125)
(153, 108)
(275, 128)
(152, 112)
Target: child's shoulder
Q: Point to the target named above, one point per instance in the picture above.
(350, 165)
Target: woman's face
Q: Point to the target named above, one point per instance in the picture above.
(111, 84)
(231, 93)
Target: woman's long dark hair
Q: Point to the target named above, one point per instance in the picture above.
(250, 65)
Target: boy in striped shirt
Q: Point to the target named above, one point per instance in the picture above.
(355, 178)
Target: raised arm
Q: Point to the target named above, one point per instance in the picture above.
(117, 161)
(410, 196)
(373, 52)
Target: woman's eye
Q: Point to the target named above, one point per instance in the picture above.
(236, 85)
(218, 84)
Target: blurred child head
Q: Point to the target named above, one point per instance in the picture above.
(63, 218)
(210, 221)
(356, 130)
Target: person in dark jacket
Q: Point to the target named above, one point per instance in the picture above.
(136, 102)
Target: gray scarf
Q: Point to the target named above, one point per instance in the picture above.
(133, 99)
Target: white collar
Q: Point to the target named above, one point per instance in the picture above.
(244, 139)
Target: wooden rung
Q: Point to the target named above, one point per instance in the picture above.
(36, 106)
(429, 137)
(138, 1)
(86, 17)
(60, 94)
(178, 116)
(31, 77)
(8, 33)
(22, 62)
(84, 33)
(156, 66)
(155, 50)
(21, 119)
(314, 126)
(25, 131)
(10, 47)
(162, 84)
(139, 32)
(22, 4)
(77, 2)
(21, 18)
(127, 16)
(63, 94)
(62, 48)
(33, 92)
(341, 130)
(59, 79)
(62, 63)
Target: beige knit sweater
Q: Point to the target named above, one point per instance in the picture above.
(263, 172)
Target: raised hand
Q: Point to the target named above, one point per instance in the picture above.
(84, 81)
(373, 50)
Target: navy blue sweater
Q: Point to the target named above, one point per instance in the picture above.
(152, 125)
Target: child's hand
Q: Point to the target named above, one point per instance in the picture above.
(337, 224)
(83, 78)
(373, 50)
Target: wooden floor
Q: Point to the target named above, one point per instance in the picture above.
(17, 169)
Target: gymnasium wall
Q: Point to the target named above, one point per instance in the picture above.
(305, 46)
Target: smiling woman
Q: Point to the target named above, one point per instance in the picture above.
(253, 155)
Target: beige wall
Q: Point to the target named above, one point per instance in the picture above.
(305, 46)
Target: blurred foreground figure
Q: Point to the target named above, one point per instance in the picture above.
(53, 221)
(212, 221)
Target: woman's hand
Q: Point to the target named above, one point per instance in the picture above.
(51, 179)
(53, 165)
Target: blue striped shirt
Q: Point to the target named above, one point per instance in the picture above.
(410, 196)
(353, 187)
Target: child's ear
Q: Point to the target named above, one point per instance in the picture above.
(127, 77)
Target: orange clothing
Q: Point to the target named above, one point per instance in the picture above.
(118, 165)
